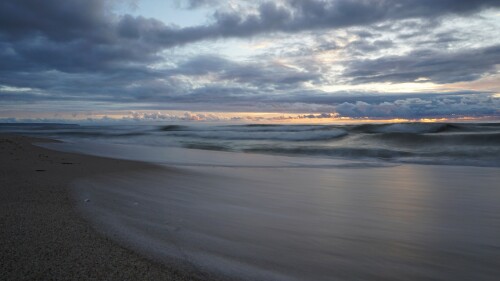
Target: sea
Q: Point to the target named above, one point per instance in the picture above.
(398, 201)
(470, 144)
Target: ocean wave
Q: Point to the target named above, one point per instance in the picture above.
(408, 139)
(251, 128)
(168, 128)
(206, 146)
(410, 128)
(477, 156)
(347, 152)
(252, 135)
(277, 128)
(416, 128)
(425, 128)
(457, 143)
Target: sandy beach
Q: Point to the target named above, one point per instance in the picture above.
(239, 216)
(42, 236)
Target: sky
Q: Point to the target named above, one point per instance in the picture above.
(249, 61)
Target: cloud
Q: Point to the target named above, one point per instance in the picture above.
(81, 35)
(194, 4)
(260, 73)
(299, 15)
(54, 19)
(90, 20)
(161, 116)
(426, 65)
(466, 105)
(79, 53)
(319, 116)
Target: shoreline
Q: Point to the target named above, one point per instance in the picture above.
(67, 216)
(44, 237)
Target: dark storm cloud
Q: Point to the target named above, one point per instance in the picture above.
(437, 66)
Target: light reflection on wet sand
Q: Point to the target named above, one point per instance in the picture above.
(407, 222)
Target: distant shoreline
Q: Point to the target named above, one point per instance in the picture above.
(43, 237)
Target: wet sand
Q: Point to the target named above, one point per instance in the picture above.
(42, 235)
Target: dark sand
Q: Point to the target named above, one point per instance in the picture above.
(43, 237)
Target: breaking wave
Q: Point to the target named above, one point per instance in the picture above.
(347, 152)
(264, 135)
